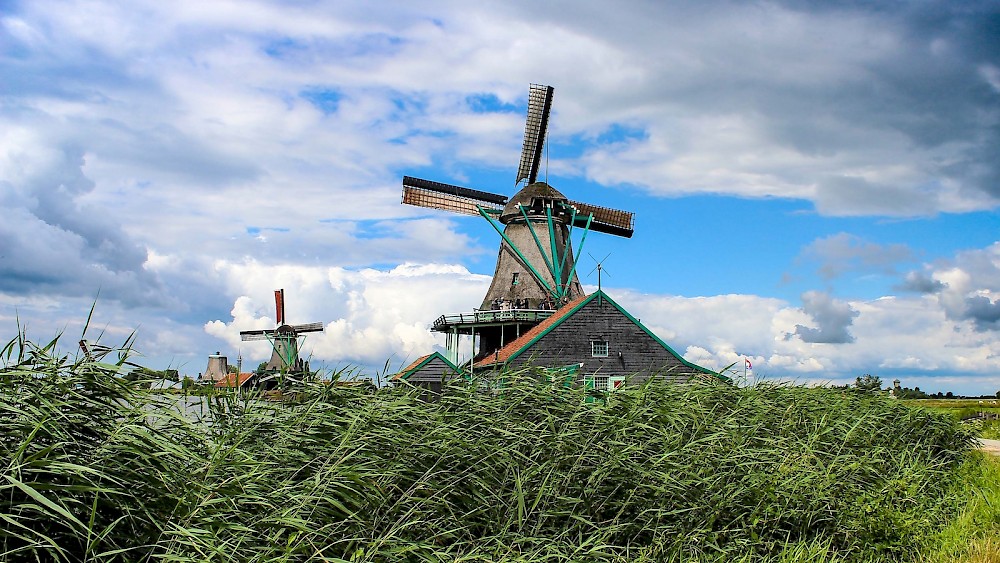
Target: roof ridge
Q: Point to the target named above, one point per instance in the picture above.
(514, 346)
(417, 362)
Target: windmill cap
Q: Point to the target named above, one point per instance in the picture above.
(526, 197)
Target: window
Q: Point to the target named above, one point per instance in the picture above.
(514, 279)
(599, 348)
(599, 386)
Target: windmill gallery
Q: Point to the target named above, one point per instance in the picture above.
(535, 310)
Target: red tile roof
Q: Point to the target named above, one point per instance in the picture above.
(415, 363)
(513, 347)
(234, 380)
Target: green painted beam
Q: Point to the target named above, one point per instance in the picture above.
(557, 275)
(538, 243)
(517, 251)
(583, 239)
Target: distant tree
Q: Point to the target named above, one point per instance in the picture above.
(949, 395)
(262, 367)
(868, 383)
(233, 369)
(915, 393)
(998, 394)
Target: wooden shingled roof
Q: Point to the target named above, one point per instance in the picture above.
(513, 348)
(526, 340)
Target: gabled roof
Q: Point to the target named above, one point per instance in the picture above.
(526, 340)
(420, 363)
(515, 347)
(234, 380)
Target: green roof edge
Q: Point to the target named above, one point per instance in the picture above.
(590, 298)
(406, 374)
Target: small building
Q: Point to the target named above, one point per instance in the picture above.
(237, 380)
(610, 346)
(429, 372)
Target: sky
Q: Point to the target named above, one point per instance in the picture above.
(816, 185)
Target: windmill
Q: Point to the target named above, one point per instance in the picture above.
(536, 267)
(284, 339)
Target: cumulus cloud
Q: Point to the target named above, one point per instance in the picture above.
(831, 316)
(983, 312)
(910, 337)
(920, 282)
(967, 286)
(52, 239)
(370, 315)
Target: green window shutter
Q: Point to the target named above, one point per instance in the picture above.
(615, 381)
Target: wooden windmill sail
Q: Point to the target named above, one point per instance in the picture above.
(284, 339)
(536, 266)
(536, 263)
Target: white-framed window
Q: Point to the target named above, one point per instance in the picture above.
(515, 279)
(599, 386)
(599, 348)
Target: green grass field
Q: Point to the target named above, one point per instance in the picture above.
(966, 409)
(99, 469)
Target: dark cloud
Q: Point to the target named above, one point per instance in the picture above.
(921, 283)
(54, 243)
(877, 108)
(832, 318)
(985, 314)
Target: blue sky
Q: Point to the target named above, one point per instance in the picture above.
(816, 185)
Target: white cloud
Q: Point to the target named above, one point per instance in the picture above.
(370, 315)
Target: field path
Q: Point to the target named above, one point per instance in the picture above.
(990, 446)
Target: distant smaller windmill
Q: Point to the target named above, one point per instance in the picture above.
(284, 339)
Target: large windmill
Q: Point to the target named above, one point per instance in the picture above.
(284, 339)
(536, 267)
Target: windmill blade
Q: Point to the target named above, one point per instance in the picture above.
(435, 195)
(308, 327)
(279, 306)
(539, 104)
(606, 220)
(248, 335)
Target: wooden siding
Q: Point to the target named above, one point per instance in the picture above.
(632, 351)
(434, 371)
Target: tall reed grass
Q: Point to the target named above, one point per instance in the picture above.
(100, 469)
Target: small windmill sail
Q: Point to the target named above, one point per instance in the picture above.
(283, 338)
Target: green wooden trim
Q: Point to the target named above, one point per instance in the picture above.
(604, 296)
(538, 243)
(406, 375)
(517, 251)
(583, 239)
(569, 241)
(557, 274)
(696, 367)
(547, 330)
